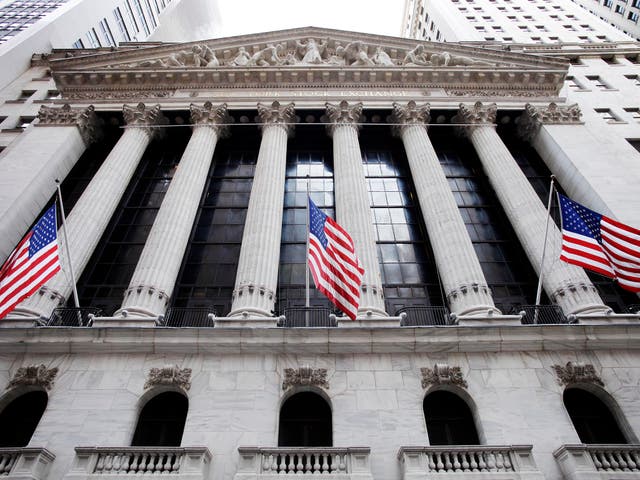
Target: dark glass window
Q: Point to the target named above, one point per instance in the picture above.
(208, 272)
(591, 418)
(508, 272)
(449, 420)
(305, 421)
(108, 272)
(161, 421)
(308, 163)
(20, 418)
(540, 178)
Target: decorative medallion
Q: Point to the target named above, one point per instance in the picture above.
(34, 375)
(442, 374)
(305, 376)
(577, 372)
(169, 375)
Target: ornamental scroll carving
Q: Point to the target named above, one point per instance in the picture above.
(305, 376)
(553, 114)
(169, 375)
(149, 118)
(84, 118)
(34, 375)
(276, 114)
(577, 372)
(216, 117)
(442, 374)
(411, 114)
(343, 114)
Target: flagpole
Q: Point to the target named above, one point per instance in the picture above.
(544, 250)
(66, 242)
(306, 298)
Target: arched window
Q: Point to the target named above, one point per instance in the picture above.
(591, 418)
(20, 418)
(305, 421)
(161, 421)
(449, 420)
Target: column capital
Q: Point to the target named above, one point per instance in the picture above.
(215, 117)
(553, 114)
(475, 115)
(277, 115)
(84, 118)
(343, 114)
(147, 118)
(409, 115)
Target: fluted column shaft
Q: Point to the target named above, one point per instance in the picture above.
(90, 216)
(352, 202)
(257, 275)
(460, 271)
(154, 279)
(565, 284)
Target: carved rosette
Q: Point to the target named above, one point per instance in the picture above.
(554, 114)
(277, 115)
(66, 116)
(148, 118)
(411, 114)
(169, 376)
(209, 116)
(577, 372)
(305, 376)
(442, 374)
(343, 114)
(476, 115)
(34, 375)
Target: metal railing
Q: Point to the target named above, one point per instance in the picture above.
(202, 317)
(299, 317)
(541, 315)
(424, 316)
(634, 308)
(73, 317)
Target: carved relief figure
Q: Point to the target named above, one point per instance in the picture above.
(242, 58)
(209, 57)
(267, 56)
(355, 54)
(312, 51)
(382, 58)
(416, 57)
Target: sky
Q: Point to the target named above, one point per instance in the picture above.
(239, 17)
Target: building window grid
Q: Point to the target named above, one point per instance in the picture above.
(122, 26)
(106, 32)
(635, 113)
(141, 17)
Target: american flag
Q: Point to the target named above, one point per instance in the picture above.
(601, 244)
(333, 262)
(33, 262)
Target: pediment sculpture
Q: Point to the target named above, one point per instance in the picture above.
(309, 52)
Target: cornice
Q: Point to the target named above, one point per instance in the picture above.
(320, 340)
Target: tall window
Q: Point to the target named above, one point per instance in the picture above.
(161, 421)
(305, 421)
(591, 418)
(20, 418)
(122, 26)
(449, 420)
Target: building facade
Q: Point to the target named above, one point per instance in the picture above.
(620, 14)
(185, 170)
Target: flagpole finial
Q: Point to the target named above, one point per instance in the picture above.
(57, 180)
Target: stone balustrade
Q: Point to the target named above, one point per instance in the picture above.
(185, 463)
(25, 463)
(339, 463)
(594, 462)
(469, 461)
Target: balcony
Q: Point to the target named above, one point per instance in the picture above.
(594, 462)
(424, 316)
(512, 462)
(25, 463)
(184, 463)
(300, 317)
(269, 463)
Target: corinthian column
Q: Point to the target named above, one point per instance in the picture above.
(462, 278)
(90, 216)
(257, 276)
(40, 156)
(154, 278)
(352, 201)
(565, 284)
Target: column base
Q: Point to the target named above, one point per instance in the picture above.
(137, 312)
(19, 323)
(607, 318)
(479, 311)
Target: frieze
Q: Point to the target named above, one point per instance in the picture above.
(116, 94)
(169, 376)
(458, 92)
(34, 375)
(305, 376)
(577, 372)
(442, 374)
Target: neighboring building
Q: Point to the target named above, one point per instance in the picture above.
(187, 226)
(37, 26)
(622, 14)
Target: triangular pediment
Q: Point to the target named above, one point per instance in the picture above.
(301, 57)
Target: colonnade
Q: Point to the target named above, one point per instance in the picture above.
(465, 286)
